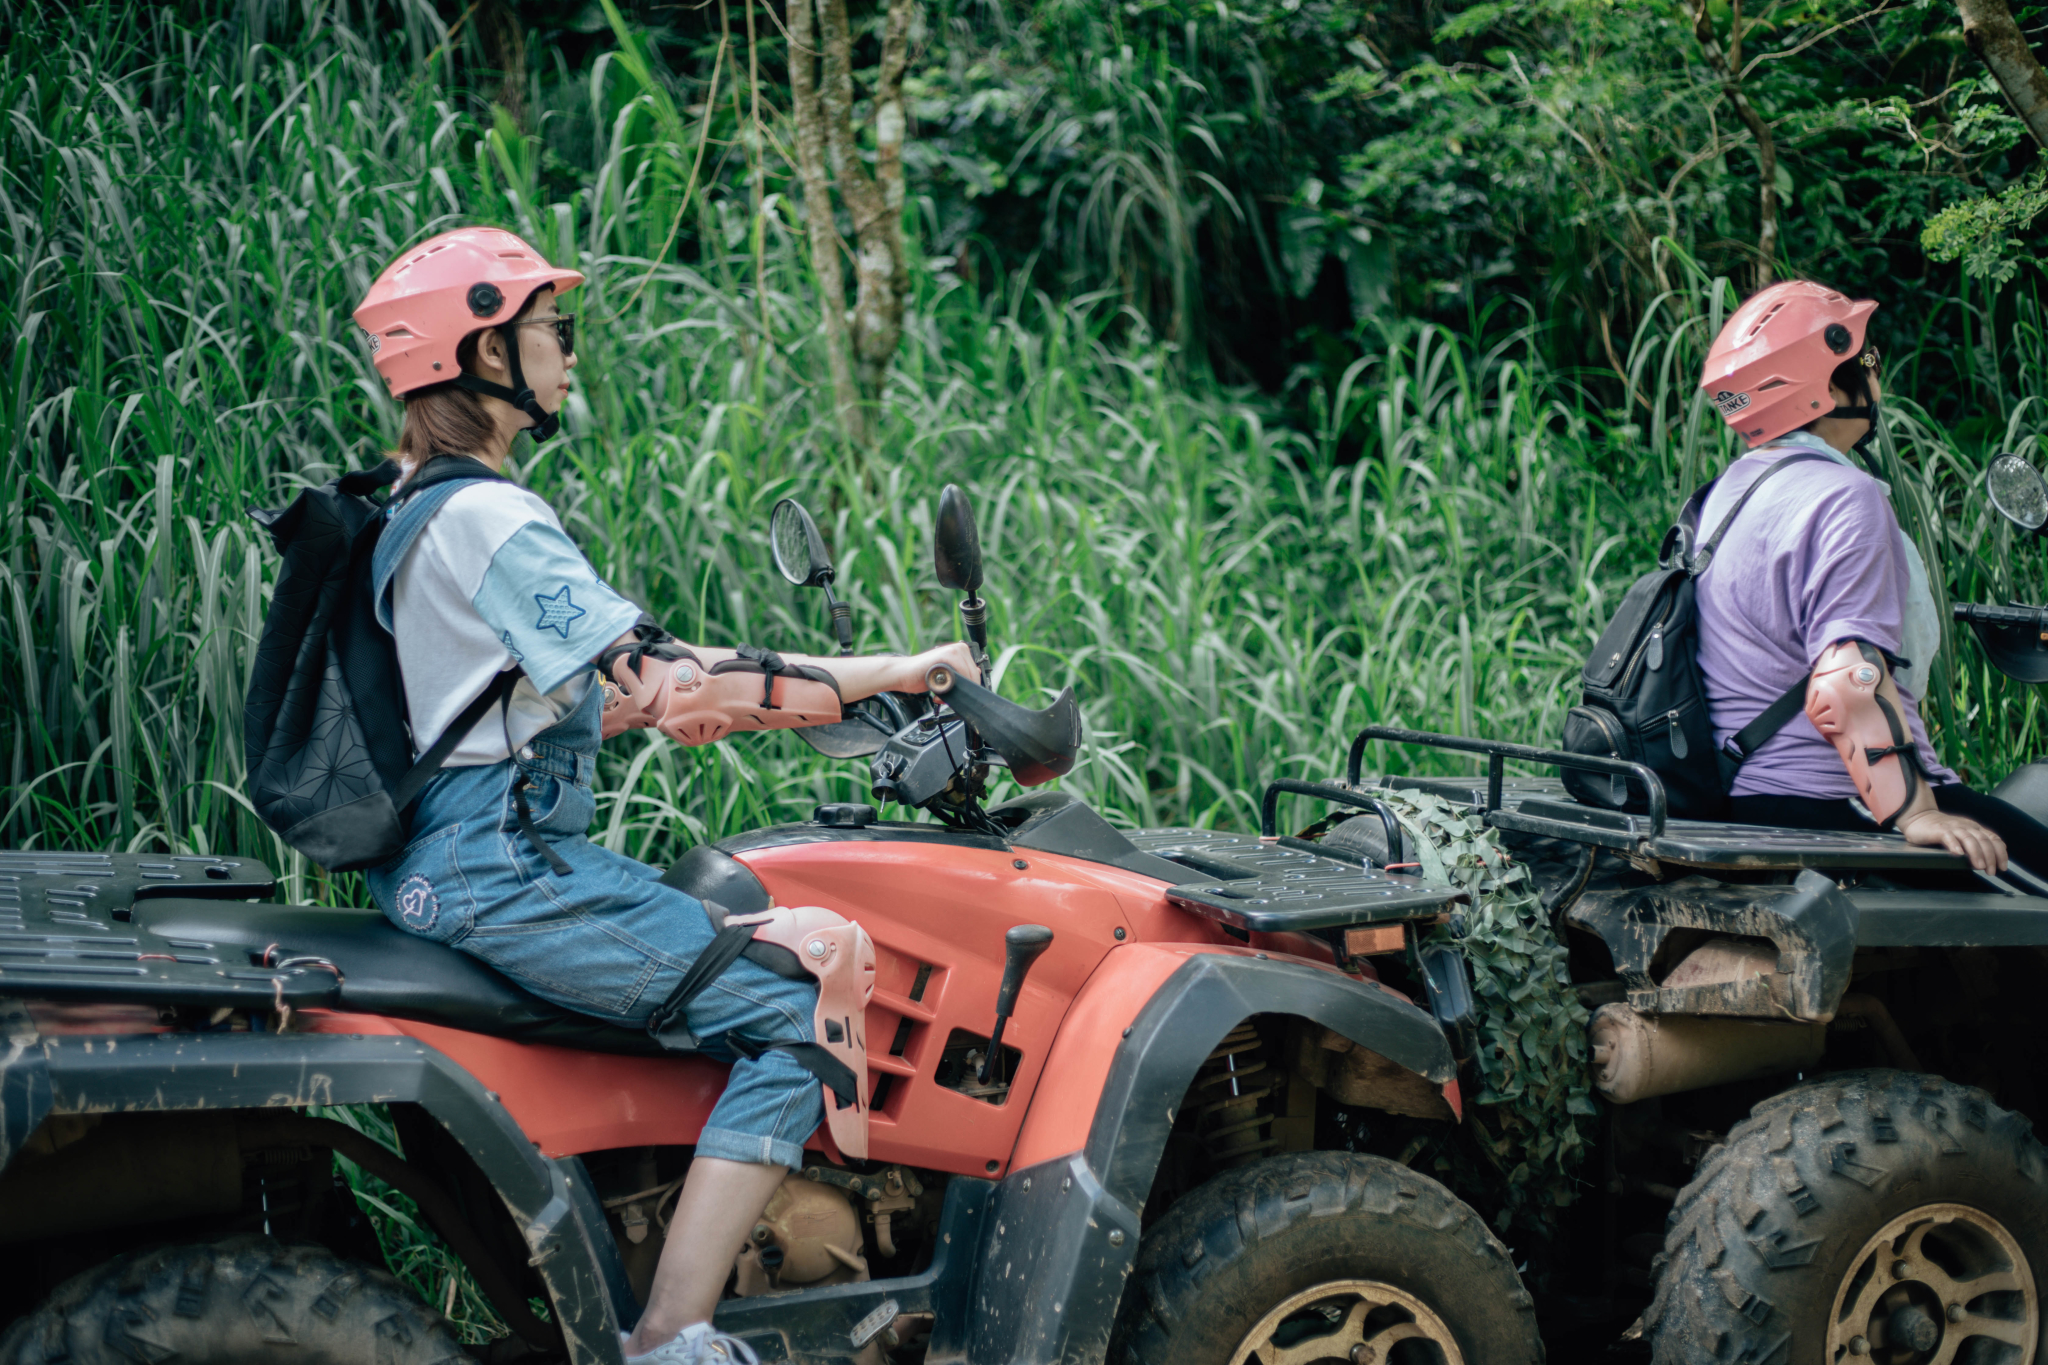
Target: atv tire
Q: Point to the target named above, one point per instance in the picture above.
(1870, 1216)
(1328, 1252)
(244, 1301)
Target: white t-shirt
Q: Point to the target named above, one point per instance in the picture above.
(492, 581)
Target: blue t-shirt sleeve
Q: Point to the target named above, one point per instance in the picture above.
(548, 605)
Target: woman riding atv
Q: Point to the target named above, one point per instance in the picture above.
(1817, 585)
(487, 596)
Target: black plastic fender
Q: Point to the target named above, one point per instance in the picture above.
(551, 1201)
(1062, 1236)
(24, 1081)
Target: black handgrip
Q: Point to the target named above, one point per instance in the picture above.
(1022, 946)
(2012, 614)
(1269, 808)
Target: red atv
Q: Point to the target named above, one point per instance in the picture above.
(1121, 1087)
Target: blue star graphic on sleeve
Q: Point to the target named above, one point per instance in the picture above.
(557, 612)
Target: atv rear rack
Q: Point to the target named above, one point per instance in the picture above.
(1542, 807)
(68, 931)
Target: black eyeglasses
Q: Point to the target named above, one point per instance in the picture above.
(565, 329)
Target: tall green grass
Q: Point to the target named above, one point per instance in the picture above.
(190, 212)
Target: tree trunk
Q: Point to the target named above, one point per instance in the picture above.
(1989, 29)
(504, 42)
(1727, 64)
(874, 201)
(811, 135)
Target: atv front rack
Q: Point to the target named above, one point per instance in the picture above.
(1269, 886)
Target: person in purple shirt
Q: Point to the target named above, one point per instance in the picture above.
(1816, 582)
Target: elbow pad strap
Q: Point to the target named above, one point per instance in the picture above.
(668, 687)
(1854, 705)
(770, 665)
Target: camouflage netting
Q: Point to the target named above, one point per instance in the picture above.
(1533, 1121)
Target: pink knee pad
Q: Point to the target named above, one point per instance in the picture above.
(842, 956)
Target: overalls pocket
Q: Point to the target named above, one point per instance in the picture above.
(423, 890)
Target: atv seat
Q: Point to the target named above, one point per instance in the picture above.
(384, 970)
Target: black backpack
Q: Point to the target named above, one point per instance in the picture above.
(1645, 700)
(324, 728)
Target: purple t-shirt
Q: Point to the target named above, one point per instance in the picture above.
(1817, 556)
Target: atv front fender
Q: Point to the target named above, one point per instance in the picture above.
(550, 1200)
(1063, 1233)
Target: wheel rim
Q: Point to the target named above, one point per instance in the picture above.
(1943, 1284)
(1350, 1322)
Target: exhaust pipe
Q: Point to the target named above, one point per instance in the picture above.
(1637, 1056)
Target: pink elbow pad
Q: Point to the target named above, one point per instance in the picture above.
(1844, 702)
(695, 704)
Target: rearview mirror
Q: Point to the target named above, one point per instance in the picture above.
(2017, 490)
(799, 550)
(956, 545)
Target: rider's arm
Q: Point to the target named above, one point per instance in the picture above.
(1854, 703)
(697, 694)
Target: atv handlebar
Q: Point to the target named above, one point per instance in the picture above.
(1497, 753)
(1269, 808)
(2013, 614)
(2015, 636)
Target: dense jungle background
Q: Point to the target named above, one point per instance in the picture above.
(1312, 363)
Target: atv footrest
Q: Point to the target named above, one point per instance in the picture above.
(1262, 886)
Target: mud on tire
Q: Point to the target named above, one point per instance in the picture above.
(245, 1301)
(1775, 1253)
(1224, 1260)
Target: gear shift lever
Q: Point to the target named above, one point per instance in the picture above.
(1021, 947)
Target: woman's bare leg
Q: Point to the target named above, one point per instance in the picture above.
(720, 1203)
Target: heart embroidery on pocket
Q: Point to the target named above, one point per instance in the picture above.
(417, 903)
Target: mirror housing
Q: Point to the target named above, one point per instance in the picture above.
(800, 554)
(2019, 493)
(956, 544)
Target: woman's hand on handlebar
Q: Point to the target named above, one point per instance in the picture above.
(863, 675)
(917, 667)
(1958, 834)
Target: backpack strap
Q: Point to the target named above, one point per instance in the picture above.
(1698, 562)
(1775, 717)
(1753, 736)
(429, 763)
(408, 513)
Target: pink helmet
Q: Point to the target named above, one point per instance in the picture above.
(1768, 371)
(434, 295)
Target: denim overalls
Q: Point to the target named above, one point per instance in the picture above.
(608, 939)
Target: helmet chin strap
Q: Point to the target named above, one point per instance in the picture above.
(1867, 412)
(545, 423)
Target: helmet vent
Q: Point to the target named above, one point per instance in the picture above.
(398, 332)
(1765, 318)
(1770, 384)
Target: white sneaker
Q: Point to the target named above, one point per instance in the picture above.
(697, 1344)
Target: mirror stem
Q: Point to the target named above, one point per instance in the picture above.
(974, 621)
(842, 620)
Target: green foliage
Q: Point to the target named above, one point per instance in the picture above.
(1232, 590)
(1983, 232)
(411, 1250)
(1536, 1119)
